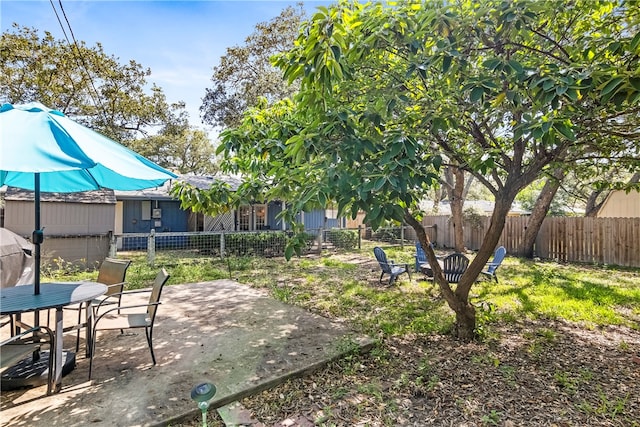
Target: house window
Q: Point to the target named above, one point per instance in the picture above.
(145, 215)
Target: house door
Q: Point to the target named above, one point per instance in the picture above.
(260, 216)
(244, 218)
(252, 217)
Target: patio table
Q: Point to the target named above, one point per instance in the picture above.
(21, 299)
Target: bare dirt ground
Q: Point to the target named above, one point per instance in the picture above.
(536, 374)
(528, 373)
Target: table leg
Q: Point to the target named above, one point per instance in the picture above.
(58, 355)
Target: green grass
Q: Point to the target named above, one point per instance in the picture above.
(329, 285)
(590, 295)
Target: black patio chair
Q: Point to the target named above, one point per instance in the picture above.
(454, 266)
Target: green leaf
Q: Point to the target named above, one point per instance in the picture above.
(446, 64)
(379, 183)
(612, 85)
(336, 52)
(635, 42)
(634, 98)
(572, 94)
(288, 251)
(491, 64)
(565, 130)
(477, 93)
(515, 65)
(560, 90)
(437, 161)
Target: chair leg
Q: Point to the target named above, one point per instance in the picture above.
(149, 333)
(51, 378)
(93, 350)
(78, 331)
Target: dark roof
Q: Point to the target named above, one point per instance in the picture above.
(163, 192)
(110, 196)
(99, 196)
(204, 182)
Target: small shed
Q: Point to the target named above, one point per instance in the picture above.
(77, 226)
(620, 204)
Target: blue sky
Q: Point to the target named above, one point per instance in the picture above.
(181, 41)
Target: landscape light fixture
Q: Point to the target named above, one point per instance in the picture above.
(202, 394)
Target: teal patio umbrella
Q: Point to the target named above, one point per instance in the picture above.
(43, 150)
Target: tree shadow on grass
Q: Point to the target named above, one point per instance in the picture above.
(550, 290)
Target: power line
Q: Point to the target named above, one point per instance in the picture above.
(95, 96)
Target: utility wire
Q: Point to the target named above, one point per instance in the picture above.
(95, 96)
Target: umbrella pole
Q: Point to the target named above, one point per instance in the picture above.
(37, 233)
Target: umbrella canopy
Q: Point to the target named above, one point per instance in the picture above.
(68, 156)
(43, 150)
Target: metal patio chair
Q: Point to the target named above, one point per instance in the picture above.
(29, 342)
(122, 317)
(112, 273)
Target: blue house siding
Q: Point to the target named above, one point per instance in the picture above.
(173, 218)
(273, 209)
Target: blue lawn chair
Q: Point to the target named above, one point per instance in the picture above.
(421, 256)
(389, 267)
(492, 266)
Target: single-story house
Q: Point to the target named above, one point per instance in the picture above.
(483, 206)
(79, 226)
(143, 210)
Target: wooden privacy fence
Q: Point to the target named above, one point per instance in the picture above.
(591, 240)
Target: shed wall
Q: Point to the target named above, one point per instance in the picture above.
(620, 204)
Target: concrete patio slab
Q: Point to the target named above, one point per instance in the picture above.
(222, 332)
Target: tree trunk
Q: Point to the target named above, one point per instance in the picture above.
(593, 206)
(465, 328)
(539, 212)
(456, 193)
(458, 300)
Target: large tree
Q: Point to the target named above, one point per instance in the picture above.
(180, 148)
(97, 90)
(83, 82)
(503, 89)
(245, 72)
